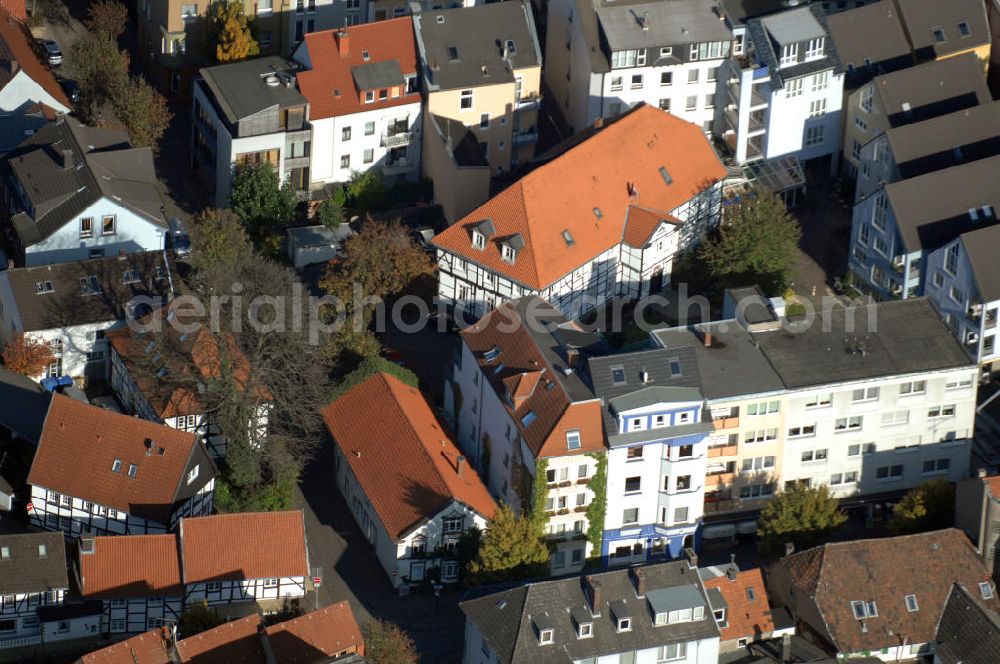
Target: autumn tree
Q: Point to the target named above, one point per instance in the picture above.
(756, 243)
(930, 506)
(261, 201)
(801, 515)
(143, 110)
(386, 643)
(107, 16)
(101, 71)
(380, 261)
(229, 32)
(26, 355)
(218, 240)
(510, 549)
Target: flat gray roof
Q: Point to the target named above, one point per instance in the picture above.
(795, 25)
(240, 88)
(731, 366)
(933, 209)
(667, 23)
(319, 236)
(888, 338)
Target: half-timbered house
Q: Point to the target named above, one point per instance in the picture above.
(104, 473)
(414, 510)
(605, 216)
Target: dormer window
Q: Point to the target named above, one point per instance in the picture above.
(508, 253)
(573, 439)
(720, 616)
(814, 49)
(789, 54)
(660, 619)
(369, 96)
(546, 636)
(585, 630)
(624, 624)
(478, 240)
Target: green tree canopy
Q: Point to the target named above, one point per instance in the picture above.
(101, 70)
(330, 213)
(367, 191)
(229, 32)
(801, 515)
(197, 618)
(930, 506)
(386, 643)
(218, 238)
(370, 366)
(261, 201)
(756, 243)
(511, 548)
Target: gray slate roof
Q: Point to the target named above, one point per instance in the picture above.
(240, 90)
(66, 305)
(375, 75)
(508, 619)
(478, 35)
(932, 210)
(795, 25)
(459, 141)
(909, 336)
(982, 247)
(872, 32)
(668, 23)
(102, 165)
(967, 633)
(25, 405)
(26, 571)
(792, 24)
(933, 88)
(732, 366)
(319, 236)
(922, 147)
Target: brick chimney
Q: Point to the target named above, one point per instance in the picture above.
(639, 579)
(459, 464)
(67, 159)
(343, 43)
(593, 587)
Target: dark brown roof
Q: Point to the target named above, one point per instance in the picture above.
(66, 305)
(922, 17)
(981, 246)
(872, 33)
(885, 571)
(25, 570)
(80, 443)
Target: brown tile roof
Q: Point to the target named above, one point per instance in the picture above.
(232, 642)
(201, 350)
(146, 648)
(258, 545)
(131, 566)
(326, 632)
(745, 617)
(16, 46)
(623, 158)
(422, 479)
(26, 570)
(78, 447)
(384, 41)
(555, 410)
(886, 571)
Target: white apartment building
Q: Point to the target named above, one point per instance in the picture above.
(603, 218)
(603, 58)
(657, 453)
(412, 512)
(245, 114)
(783, 89)
(646, 614)
(308, 16)
(364, 99)
(879, 401)
(519, 406)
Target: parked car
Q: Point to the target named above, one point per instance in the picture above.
(53, 54)
(71, 89)
(180, 241)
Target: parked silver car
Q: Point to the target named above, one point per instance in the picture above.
(180, 241)
(53, 53)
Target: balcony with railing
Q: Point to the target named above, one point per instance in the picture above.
(525, 137)
(722, 451)
(527, 102)
(397, 137)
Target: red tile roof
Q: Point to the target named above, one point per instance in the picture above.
(617, 167)
(232, 643)
(745, 617)
(422, 478)
(258, 545)
(886, 571)
(330, 72)
(641, 223)
(328, 631)
(16, 45)
(80, 443)
(146, 648)
(520, 356)
(131, 566)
